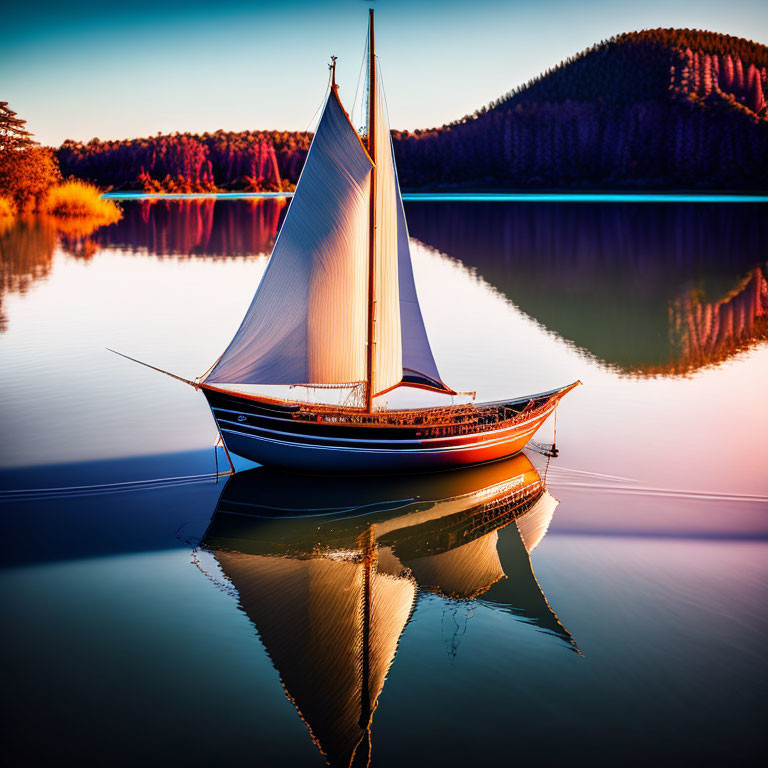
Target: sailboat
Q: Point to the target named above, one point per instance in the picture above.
(336, 317)
(329, 575)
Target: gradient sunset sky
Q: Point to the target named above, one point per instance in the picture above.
(84, 68)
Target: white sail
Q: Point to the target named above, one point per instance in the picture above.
(419, 365)
(308, 323)
(402, 351)
(388, 349)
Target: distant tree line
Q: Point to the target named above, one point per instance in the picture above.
(256, 161)
(662, 107)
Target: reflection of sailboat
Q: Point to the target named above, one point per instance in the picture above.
(331, 626)
(335, 328)
(330, 593)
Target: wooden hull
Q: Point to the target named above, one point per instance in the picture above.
(271, 434)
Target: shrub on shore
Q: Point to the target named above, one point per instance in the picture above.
(77, 199)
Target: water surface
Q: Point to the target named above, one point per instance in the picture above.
(603, 606)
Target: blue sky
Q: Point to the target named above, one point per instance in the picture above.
(82, 69)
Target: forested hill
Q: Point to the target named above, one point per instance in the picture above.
(663, 108)
(639, 66)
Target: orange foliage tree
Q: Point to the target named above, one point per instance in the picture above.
(27, 171)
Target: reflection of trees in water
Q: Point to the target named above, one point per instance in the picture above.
(614, 278)
(28, 244)
(76, 235)
(26, 254)
(203, 227)
(706, 332)
(646, 288)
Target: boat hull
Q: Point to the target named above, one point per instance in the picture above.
(276, 440)
(323, 458)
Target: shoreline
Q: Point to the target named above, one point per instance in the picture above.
(467, 197)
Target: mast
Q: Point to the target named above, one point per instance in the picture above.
(371, 216)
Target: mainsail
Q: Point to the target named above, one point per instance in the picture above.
(312, 320)
(307, 322)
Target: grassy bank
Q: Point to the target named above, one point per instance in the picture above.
(69, 200)
(73, 210)
(80, 200)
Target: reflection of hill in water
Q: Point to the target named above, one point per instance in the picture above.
(330, 594)
(646, 288)
(203, 227)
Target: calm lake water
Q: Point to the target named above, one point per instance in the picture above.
(603, 607)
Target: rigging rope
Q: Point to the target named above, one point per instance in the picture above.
(359, 86)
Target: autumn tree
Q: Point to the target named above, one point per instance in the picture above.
(27, 170)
